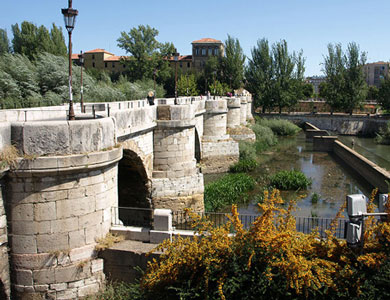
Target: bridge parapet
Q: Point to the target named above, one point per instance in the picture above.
(218, 151)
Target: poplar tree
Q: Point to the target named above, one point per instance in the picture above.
(4, 42)
(233, 63)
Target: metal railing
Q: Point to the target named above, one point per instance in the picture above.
(181, 220)
(132, 216)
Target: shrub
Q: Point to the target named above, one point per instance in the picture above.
(279, 127)
(265, 138)
(271, 260)
(247, 150)
(229, 189)
(383, 137)
(243, 166)
(290, 180)
(119, 291)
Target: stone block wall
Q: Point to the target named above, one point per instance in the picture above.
(234, 112)
(249, 106)
(243, 110)
(176, 181)
(218, 150)
(5, 283)
(55, 218)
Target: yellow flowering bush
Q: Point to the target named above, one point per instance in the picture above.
(270, 260)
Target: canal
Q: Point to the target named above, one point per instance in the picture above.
(331, 179)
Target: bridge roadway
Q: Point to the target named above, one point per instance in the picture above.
(58, 194)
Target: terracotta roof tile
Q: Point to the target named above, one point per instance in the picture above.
(115, 58)
(206, 40)
(98, 50)
(181, 58)
(75, 56)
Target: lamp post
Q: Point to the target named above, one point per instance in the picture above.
(176, 57)
(70, 19)
(214, 73)
(154, 80)
(81, 60)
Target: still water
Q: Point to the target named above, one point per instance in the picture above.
(379, 154)
(332, 180)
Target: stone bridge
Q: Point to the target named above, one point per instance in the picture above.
(57, 196)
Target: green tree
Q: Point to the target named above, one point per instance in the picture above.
(58, 41)
(232, 64)
(186, 85)
(283, 71)
(345, 85)
(31, 40)
(147, 53)
(334, 68)
(308, 90)
(259, 75)
(372, 93)
(355, 86)
(384, 94)
(4, 42)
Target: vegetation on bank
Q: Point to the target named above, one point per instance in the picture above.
(290, 180)
(228, 190)
(271, 260)
(383, 137)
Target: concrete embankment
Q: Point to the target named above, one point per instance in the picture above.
(368, 170)
(339, 123)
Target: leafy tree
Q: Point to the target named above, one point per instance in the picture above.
(384, 94)
(259, 75)
(345, 85)
(283, 71)
(4, 42)
(218, 88)
(307, 90)
(232, 64)
(372, 93)
(186, 85)
(31, 40)
(355, 85)
(58, 41)
(147, 53)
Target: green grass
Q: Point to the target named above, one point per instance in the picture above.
(265, 138)
(290, 180)
(278, 126)
(247, 150)
(227, 190)
(243, 166)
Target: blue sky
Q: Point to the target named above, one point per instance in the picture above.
(306, 24)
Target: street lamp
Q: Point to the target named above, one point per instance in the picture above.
(81, 60)
(176, 58)
(154, 79)
(70, 19)
(214, 73)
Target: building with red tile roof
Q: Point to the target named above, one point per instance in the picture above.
(201, 51)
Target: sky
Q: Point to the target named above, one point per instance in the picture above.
(305, 24)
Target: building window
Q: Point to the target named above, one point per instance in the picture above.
(93, 56)
(124, 66)
(181, 65)
(113, 65)
(105, 65)
(204, 51)
(196, 51)
(188, 65)
(216, 51)
(210, 51)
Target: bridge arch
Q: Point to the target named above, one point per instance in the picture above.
(134, 189)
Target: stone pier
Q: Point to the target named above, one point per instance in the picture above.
(219, 151)
(58, 205)
(243, 110)
(177, 182)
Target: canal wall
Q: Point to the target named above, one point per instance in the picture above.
(371, 172)
(341, 124)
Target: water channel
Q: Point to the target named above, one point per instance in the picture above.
(331, 179)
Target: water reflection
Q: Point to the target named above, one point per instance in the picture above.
(331, 180)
